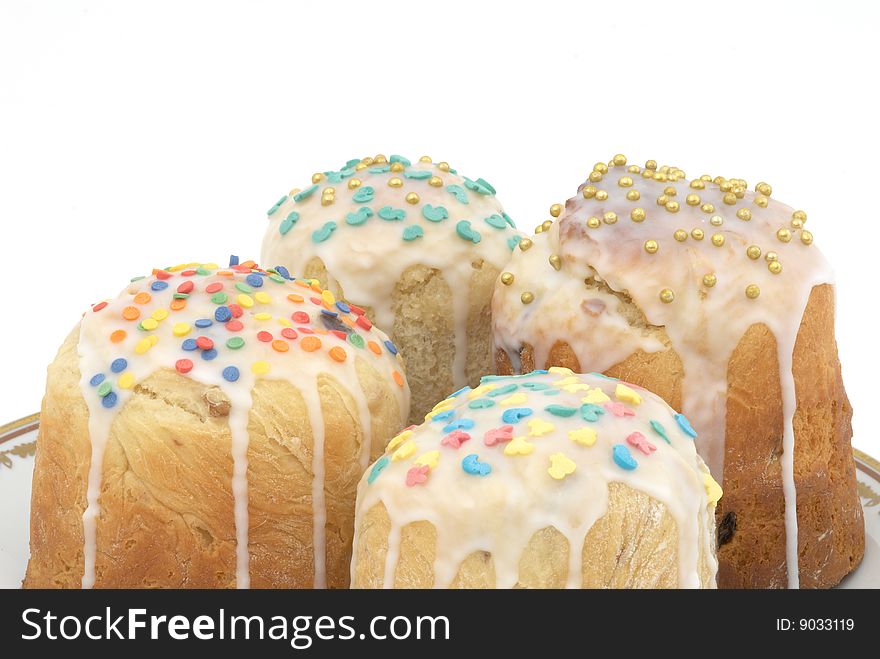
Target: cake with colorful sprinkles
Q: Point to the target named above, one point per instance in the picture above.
(714, 297)
(416, 244)
(207, 428)
(546, 480)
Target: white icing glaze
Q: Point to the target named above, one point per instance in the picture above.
(703, 323)
(499, 512)
(368, 259)
(267, 308)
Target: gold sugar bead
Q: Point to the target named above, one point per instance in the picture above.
(354, 183)
(669, 191)
(589, 191)
(761, 201)
(716, 220)
(412, 198)
(707, 208)
(360, 166)
(717, 239)
(744, 214)
(435, 181)
(327, 200)
(709, 280)
(367, 161)
(425, 159)
(784, 235)
(771, 256)
(507, 278)
(775, 267)
(594, 222)
(697, 234)
(697, 184)
(380, 159)
(610, 217)
(601, 195)
(753, 252)
(317, 177)
(625, 182)
(619, 160)
(680, 235)
(651, 164)
(600, 167)
(729, 199)
(556, 210)
(693, 200)
(293, 191)
(752, 291)
(395, 182)
(667, 296)
(539, 229)
(799, 215)
(637, 215)
(797, 224)
(651, 246)
(443, 166)
(595, 177)
(662, 199)
(672, 206)
(525, 244)
(634, 169)
(555, 261)
(527, 297)
(764, 189)
(397, 167)
(633, 195)
(806, 237)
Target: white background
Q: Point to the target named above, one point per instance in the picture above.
(135, 135)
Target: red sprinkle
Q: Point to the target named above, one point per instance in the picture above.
(99, 306)
(264, 336)
(162, 274)
(356, 309)
(186, 287)
(305, 330)
(235, 310)
(213, 288)
(342, 335)
(242, 268)
(364, 322)
(204, 343)
(288, 333)
(300, 317)
(317, 300)
(234, 326)
(188, 273)
(183, 365)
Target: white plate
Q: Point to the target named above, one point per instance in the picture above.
(18, 441)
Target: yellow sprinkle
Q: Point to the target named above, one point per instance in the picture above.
(245, 301)
(574, 388)
(539, 428)
(404, 451)
(160, 314)
(262, 297)
(713, 489)
(569, 380)
(260, 367)
(210, 266)
(560, 370)
(561, 466)
(596, 396)
(262, 316)
(328, 298)
(284, 322)
(181, 329)
(627, 395)
(398, 440)
(516, 399)
(149, 324)
(479, 391)
(142, 346)
(437, 410)
(153, 339)
(126, 381)
(583, 436)
(518, 446)
(431, 458)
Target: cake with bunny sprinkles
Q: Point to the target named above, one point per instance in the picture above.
(714, 297)
(207, 428)
(417, 245)
(547, 480)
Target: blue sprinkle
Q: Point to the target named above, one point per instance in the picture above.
(254, 280)
(500, 391)
(458, 192)
(380, 465)
(277, 205)
(230, 374)
(284, 272)
(539, 371)
(391, 347)
(233, 260)
(417, 174)
(202, 323)
(512, 242)
(685, 425)
(472, 465)
(591, 411)
(96, 379)
(623, 458)
(189, 345)
(392, 214)
(514, 414)
(443, 416)
(119, 365)
(343, 307)
(481, 403)
(222, 314)
(109, 400)
(460, 391)
(331, 314)
(363, 195)
(395, 158)
(304, 194)
(536, 386)
(560, 410)
(159, 285)
(658, 428)
(459, 424)
(288, 222)
(208, 355)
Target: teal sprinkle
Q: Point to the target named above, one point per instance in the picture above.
(356, 340)
(354, 162)
(508, 219)
(244, 288)
(591, 412)
(364, 195)
(464, 230)
(417, 174)
(552, 392)
(658, 428)
(495, 378)
(512, 242)
(288, 222)
(496, 221)
(324, 232)
(481, 403)
(434, 213)
(560, 410)
(536, 386)
(400, 159)
(379, 169)
(458, 192)
(413, 232)
(377, 469)
(486, 184)
(357, 218)
(479, 186)
(506, 389)
(305, 194)
(392, 214)
(333, 177)
(345, 172)
(277, 205)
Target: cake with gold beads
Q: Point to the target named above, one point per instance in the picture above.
(207, 428)
(713, 296)
(546, 480)
(417, 245)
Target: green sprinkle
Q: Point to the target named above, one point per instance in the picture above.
(417, 174)
(234, 343)
(500, 391)
(219, 298)
(658, 428)
(508, 219)
(464, 230)
(379, 169)
(481, 403)
(458, 192)
(244, 288)
(391, 214)
(105, 388)
(434, 213)
(356, 340)
(364, 195)
(512, 242)
(359, 217)
(288, 222)
(181, 296)
(305, 194)
(324, 232)
(412, 232)
(277, 205)
(133, 279)
(393, 159)
(496, 221)
(560, 410)
(278, 279)
(202, 271)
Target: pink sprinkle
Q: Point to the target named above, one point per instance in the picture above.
(641, 442)
(619, 409)
(455, 438)
(417, 475)
(498, 435)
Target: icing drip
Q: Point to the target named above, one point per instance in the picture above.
(519, 454)
(227, 328)
(701, 260)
